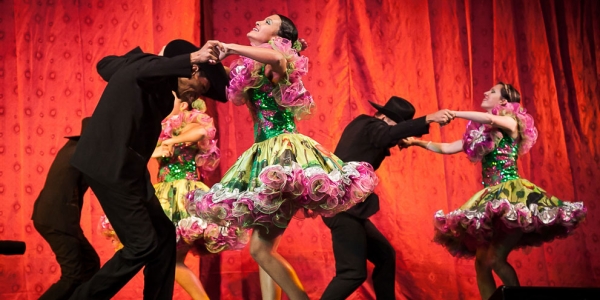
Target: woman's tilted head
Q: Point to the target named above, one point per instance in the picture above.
(272, 26)
(500, 94)
(264, 30)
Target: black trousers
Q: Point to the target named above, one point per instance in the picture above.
(354, 242)
(148, 237)
(77, 259)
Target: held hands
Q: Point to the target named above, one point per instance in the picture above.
(212, 52)
(407, 142)
(224, 51)
(442, 117)
(209, 53)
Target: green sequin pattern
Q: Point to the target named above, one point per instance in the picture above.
(270, 119)
(180, 170)
(181, 165)
(500, 165)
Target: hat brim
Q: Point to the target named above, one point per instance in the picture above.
(388, 113)
(377, 106)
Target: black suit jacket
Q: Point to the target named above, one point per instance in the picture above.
(369, 139)
(121, 136)
(59, 204)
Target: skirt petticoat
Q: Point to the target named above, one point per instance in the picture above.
(192, 232)
(285, 176)
(515, 205)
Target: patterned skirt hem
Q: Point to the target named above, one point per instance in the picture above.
(194, 233)
(462, 231)
(283, 191)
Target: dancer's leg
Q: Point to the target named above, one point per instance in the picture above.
(268, 288)
(91, 260)
(483, 268)
(500, 250)
(187, 279)
(349, 240)
(133, 222)
(159, 273)
(70, 258)
(262, 249)
(381, 253)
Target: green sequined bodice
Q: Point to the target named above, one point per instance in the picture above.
(270, 119)
(181, 165)
(500, 165)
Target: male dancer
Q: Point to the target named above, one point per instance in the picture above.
(114, 150)
(56, 216)
(355, 239)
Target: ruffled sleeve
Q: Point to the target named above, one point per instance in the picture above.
(209, 156)
(480, 139)
(289, 92)
(528, 134)
(244, 76)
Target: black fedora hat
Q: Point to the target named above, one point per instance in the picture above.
(84, 122)
(397, 109)
(215, 74)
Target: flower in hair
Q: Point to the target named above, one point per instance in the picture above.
(300, 45)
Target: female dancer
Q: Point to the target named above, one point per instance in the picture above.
(186, 150)
(283, 172)
(510, 212)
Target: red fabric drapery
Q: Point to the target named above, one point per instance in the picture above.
(438, 54)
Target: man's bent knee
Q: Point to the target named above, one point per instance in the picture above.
(141, 249)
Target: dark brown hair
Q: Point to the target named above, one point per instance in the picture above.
(287, 29)
(509, 92)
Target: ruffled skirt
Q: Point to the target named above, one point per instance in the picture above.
(285, 176)
(192, 232)
(515, 205)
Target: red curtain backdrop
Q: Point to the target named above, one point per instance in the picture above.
(436, 53)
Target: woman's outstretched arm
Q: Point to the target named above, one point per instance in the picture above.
(508, 124)
(442, 148)
(266, 56)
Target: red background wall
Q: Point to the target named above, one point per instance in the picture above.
(436, 53)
